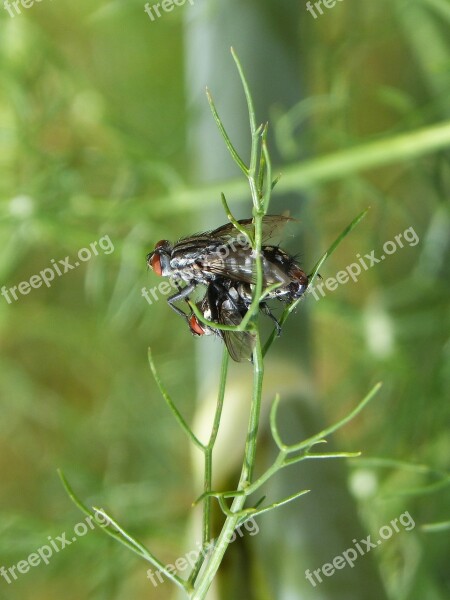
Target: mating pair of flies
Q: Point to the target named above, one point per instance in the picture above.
(223, 260)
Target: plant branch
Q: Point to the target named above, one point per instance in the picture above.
(178, 416)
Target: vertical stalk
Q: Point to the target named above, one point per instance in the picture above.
(255, 176)
(210, 447)
(231, 521)
(253, 426)
(208, 451)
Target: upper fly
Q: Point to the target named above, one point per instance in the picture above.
(227, 252)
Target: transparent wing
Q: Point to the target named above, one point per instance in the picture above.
(272, 225)
(239, 344)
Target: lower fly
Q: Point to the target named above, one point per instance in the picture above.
(226, 303)
(223, 305)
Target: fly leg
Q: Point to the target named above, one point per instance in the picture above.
(266, 310)
(182, 294)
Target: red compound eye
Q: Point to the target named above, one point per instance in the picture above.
(154, 258)
(196, 326)
(155, 263)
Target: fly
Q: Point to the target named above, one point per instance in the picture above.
(222, 304)
(226, 253)
(227, 303)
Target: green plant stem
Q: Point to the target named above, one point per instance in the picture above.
(250, 445)
(248, 95)
(208, 452)
(210, 447)
(218, 553)
(289, 309)
(236, 223)
(329, 430)
(114, 530)
(231, 522)
(268, 165)
(234, 153)
(234, 515)
(179, 417)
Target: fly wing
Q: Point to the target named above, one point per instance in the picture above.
(239, 344)
(271, 226)
(226, 251)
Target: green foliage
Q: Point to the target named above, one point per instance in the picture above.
(92, 142)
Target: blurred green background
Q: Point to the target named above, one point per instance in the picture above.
(105, 131)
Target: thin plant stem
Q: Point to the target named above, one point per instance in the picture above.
(329, 430)
(238, 160)
(178, 416)
(255, 411)
(210, 447)
(114, 530)
(208, 451)
(232, 520)
(236, 223)
(248, 95)
(289, 309)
